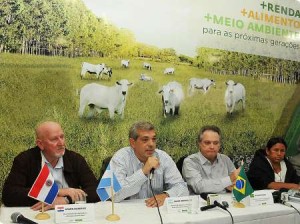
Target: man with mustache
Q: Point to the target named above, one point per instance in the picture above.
(70, 170)
(133, 164)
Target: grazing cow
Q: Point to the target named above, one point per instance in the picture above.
(125, 63)
(107, 71)
(234, 93)
(92, 69)
(172, 96)
(169, 71)
(145, 78)
(147, 66)
(99, 97)
(205, 84)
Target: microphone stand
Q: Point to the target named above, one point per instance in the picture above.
(150, 179)
(224, 208)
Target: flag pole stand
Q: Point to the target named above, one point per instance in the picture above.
(238, 205)
(112, 216)
(42, 215)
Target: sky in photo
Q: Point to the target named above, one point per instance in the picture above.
(162, 23)
(180, 24)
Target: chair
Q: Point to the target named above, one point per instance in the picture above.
(180, 163)
(104, 165)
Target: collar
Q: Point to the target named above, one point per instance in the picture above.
(59, 165)
(203, 160)
(282, 164)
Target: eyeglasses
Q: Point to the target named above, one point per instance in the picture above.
(207, 143)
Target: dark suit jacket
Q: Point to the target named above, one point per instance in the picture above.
(26, 167)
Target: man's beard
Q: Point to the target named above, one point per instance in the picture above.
(60, 154)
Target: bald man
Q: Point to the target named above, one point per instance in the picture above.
(70, 170)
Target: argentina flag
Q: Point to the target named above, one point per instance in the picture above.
(107, 181)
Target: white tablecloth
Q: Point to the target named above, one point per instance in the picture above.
(135, 212)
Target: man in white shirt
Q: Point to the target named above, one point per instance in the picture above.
(208, 171)
(132, 165)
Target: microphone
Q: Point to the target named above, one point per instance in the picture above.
(204, 208)
(17, 217)
(287, 204)
(151, 173)
(216, 203)
(225, 204)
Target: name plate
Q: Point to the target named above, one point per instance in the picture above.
(74, 213)
(188, 204)
(261, 197)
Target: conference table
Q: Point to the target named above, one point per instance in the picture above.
(135, 212)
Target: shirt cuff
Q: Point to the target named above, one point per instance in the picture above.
(226, 181)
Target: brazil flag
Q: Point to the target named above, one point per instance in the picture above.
(242, 187)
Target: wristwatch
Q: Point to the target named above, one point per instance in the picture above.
(166, 193)
(68, 199)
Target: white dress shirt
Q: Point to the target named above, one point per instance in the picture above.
(202, 176)
(57, 171)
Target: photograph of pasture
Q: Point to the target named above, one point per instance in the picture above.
(61, 62)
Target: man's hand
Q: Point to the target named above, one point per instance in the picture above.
(152, 162)
(233, 176)
(75, 194)
(230, 188)
(150, 202)
(58, 201)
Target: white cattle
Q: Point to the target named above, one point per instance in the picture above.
(169, 71)
(125, 63)
(107, 71)
(196, 83)
(99, 97)
(92, 69)
(234, 93)
(172, 96)
(147, 66)
(145, 77)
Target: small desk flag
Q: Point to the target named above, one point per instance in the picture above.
(242, 187)
(107, 181)
(44, 188)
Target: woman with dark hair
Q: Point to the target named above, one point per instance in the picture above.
(270, 169)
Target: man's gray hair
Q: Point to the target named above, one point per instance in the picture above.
(140, 125)
(208, 128)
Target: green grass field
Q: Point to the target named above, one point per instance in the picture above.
(36, 88)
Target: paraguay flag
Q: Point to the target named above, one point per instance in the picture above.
(107, 181)
(44, 188)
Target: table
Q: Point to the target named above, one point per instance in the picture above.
(135, 211)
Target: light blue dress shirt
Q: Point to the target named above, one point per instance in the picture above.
(202, 176)
(136, 185)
